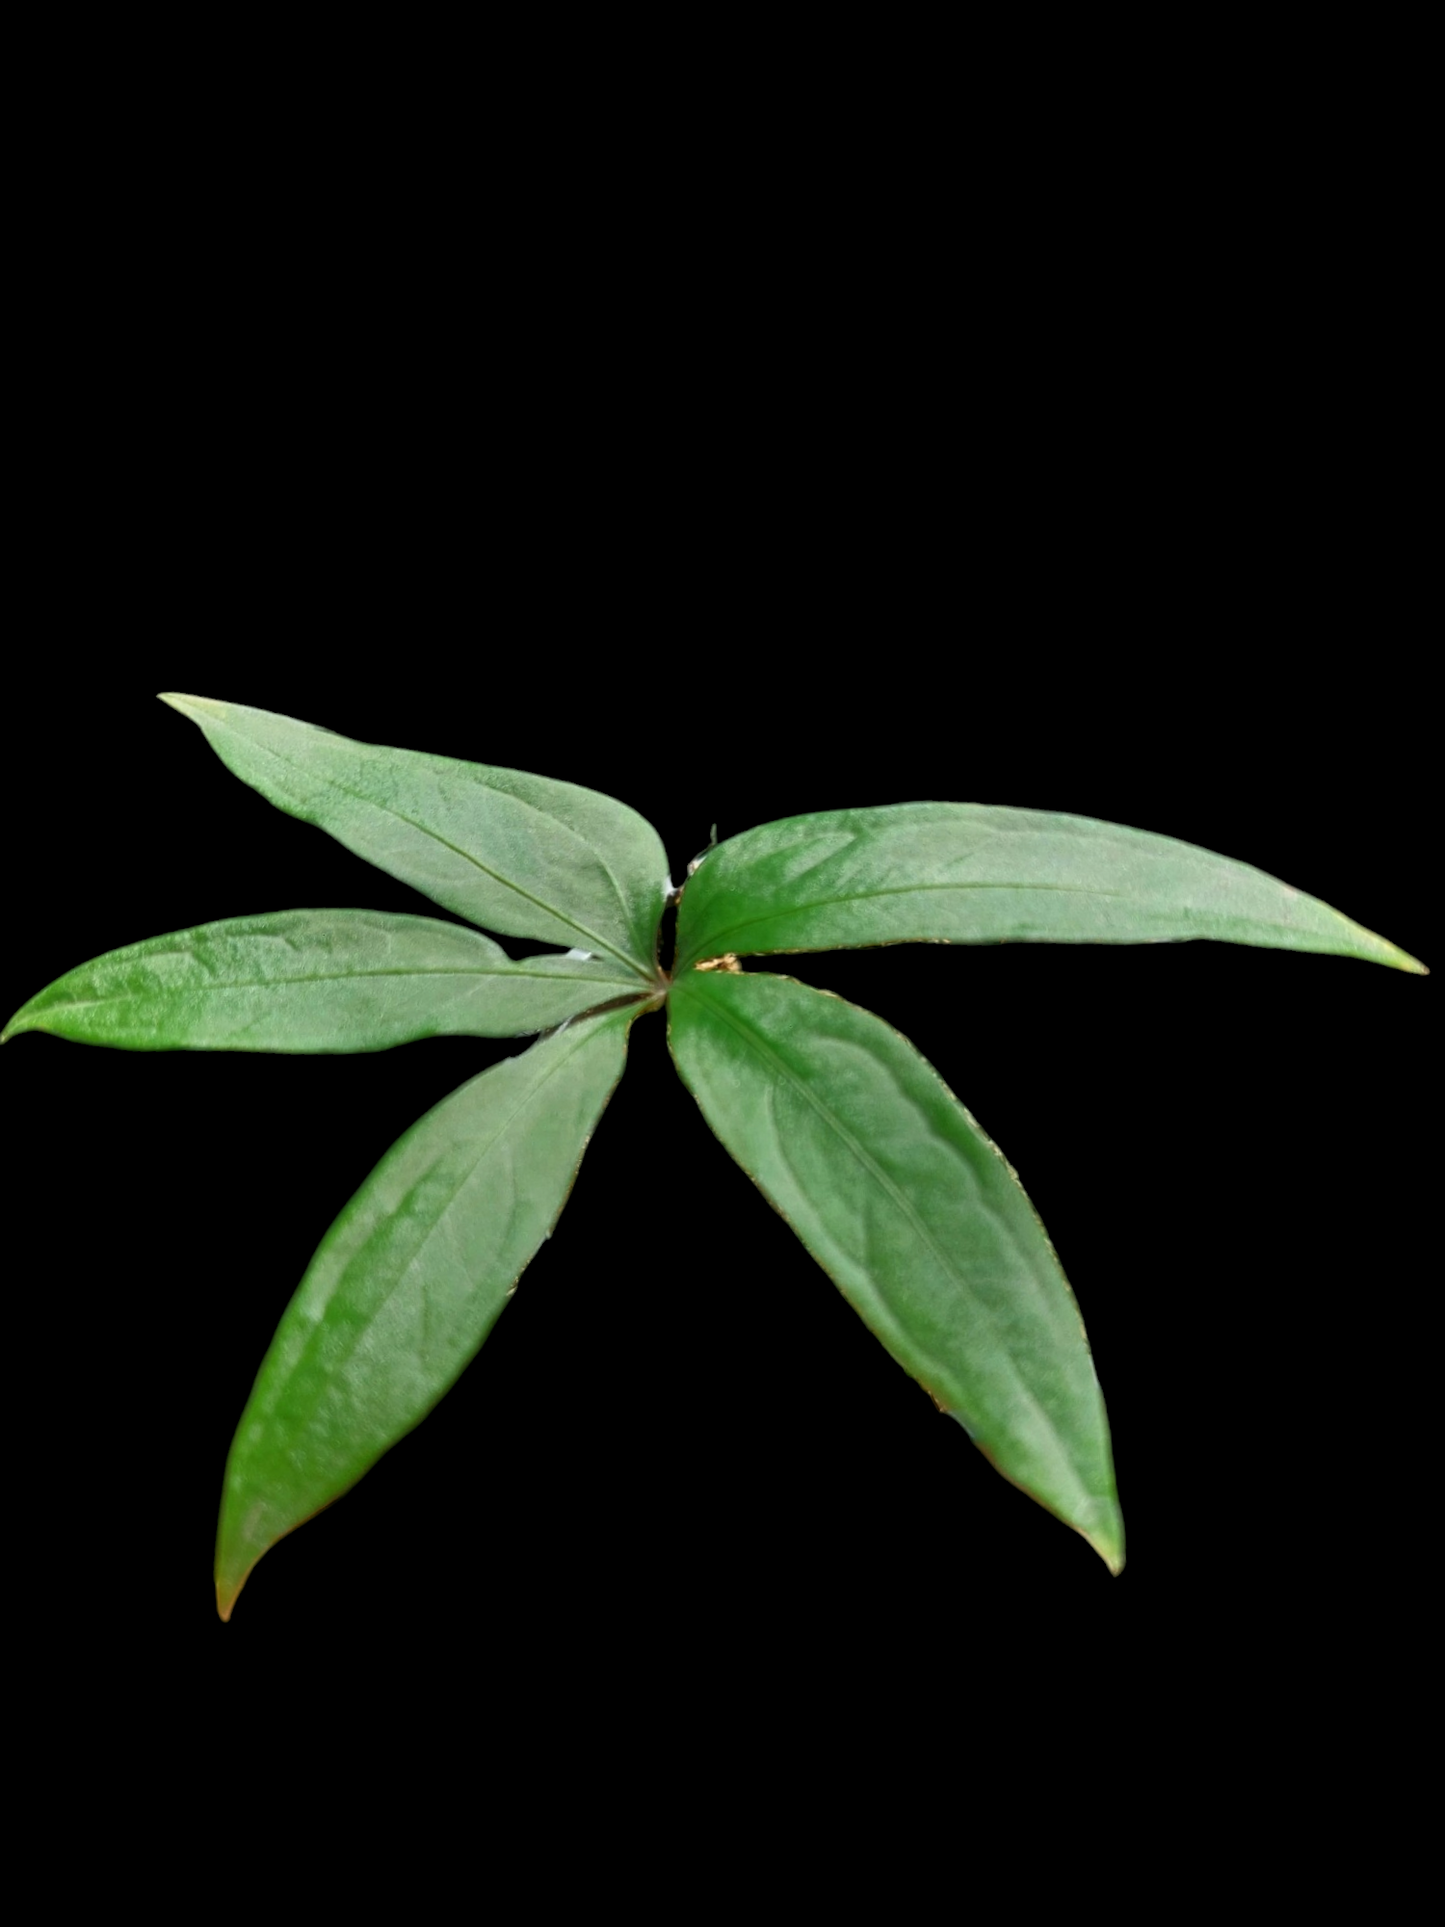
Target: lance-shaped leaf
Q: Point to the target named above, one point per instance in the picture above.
(408, 1282)
(315, 980)
(914, 1214)
(516, 853)
(968, 873)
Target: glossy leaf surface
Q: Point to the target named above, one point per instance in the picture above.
(315, 980)
(519, 854)
(408, 1282)
(968, 873)
(914, 1214)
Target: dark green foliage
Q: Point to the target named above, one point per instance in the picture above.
(843, 1126)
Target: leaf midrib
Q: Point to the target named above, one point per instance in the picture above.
(898, 890)
(353, 976)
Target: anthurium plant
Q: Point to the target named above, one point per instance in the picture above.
(843, 1126)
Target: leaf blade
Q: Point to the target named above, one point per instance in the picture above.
(407, 1283)
(314, 980)
(971, 873)
(911, 1210)
(523, 855)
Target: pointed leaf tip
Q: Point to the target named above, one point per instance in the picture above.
(189, 705)
(1110, 1549)
(1106, 1535)
(231, 1584)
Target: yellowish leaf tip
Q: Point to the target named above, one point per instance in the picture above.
(1401, 959)
(190, 705)
(228, 1591)
(1377, 949)
(1107, 1539)
(1110, 1550)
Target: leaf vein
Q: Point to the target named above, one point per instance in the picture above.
(898, 890)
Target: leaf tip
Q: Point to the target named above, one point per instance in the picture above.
(236, 1556)
(228, 1591)
(193, 706)
(1401, 960)
(1374, 948)
(1107, 1539)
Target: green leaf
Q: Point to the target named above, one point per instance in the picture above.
(854, 1138)
(966, 873)
(520, 854)
(408, 1282)
(315, 980)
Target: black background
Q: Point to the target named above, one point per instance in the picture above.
(731, 537)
